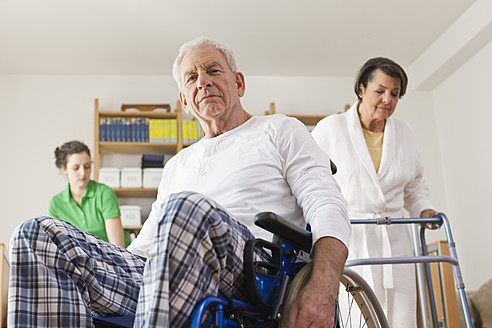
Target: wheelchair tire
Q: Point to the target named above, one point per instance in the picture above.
(361, 310)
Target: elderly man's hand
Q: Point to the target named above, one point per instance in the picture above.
(314, 307)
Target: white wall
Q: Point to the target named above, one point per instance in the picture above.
(464, 111)
(41, 112)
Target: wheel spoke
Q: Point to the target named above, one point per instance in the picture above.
(361, 308)
(355, 295)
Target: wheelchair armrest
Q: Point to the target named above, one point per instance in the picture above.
(284, 229)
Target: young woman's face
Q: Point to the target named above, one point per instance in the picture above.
(78, 170)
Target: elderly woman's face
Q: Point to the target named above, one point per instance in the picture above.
(380, 97)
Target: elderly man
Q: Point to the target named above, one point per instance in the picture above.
(191, 246)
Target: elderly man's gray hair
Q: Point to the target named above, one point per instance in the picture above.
(197, 43)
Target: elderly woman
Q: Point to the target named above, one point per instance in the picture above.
(381, 174)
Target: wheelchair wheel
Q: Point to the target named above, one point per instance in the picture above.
(358, 305)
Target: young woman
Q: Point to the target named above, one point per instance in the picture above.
(86, 204)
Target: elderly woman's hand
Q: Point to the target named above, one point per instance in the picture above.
(427, 214)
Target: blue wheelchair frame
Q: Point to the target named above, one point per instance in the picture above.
(266, 282)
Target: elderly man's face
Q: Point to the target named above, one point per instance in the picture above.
(209, 88)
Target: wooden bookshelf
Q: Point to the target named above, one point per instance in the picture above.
(102, 148)
(308, 120)
(151, 111)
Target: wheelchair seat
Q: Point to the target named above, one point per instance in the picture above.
(112, 322)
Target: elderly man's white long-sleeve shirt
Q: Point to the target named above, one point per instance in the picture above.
(269, 163)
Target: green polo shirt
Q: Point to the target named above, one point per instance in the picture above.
(98, 204)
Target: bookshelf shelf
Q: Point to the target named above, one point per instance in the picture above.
(308, 120)
(136, 192)
(108, 147)
(136, 227)
(156, 114)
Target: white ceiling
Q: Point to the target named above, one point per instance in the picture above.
(290, 38)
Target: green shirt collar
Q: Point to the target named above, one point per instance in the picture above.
(89, 192)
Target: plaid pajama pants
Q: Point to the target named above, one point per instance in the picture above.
(60, 275)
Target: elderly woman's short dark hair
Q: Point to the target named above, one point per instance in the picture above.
(387, 66)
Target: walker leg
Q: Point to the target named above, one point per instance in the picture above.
(421, 285)
(430, 290)
(458, 278)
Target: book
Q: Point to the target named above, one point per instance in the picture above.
(174, 130)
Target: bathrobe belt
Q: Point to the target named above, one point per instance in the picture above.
(385, 250)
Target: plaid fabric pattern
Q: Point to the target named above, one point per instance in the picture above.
(60, 274)
(198, 252)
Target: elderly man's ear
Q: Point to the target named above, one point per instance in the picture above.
(241, 87)
(184, 103)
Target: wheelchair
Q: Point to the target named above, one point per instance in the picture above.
(272, 285)
(272, 282)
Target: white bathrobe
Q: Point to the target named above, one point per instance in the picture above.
(398, 184)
